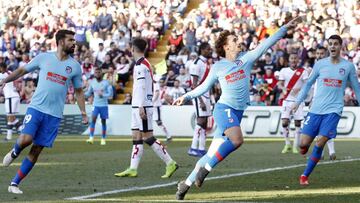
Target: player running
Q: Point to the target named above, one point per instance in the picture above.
(332, 74)
(291, 80)
(102, 91)
(233, 73)
(42, 119)
(12, 102)
(142, 115)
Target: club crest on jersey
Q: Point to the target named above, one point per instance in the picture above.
(239, 62)
(342, 71)
(68, 69)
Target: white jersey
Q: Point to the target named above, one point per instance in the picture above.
(200, 68)
(143, 84)
(9, 88)
(286, 74)
(157, 101)
(176, 92)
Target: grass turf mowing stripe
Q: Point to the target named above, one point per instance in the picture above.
(99, 194)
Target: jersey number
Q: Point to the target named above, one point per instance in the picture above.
(27, 118)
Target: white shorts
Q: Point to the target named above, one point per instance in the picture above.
(157, 113)
(12, 105)
(199, 112)
(286, 111)
(139, 124)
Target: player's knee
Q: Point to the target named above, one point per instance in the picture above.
(298, 123)
(159, 123)
(304, 149)
(34, 153)
(285, 123)
(150, 141)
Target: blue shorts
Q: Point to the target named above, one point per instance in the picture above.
(226, 117)
(42, 127)
(102, 110)
(324, 125)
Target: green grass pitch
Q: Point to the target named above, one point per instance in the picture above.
(73, 168)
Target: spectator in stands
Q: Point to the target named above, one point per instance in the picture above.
(107, 63)
(176, 40)
(174, 92)
(122, 67)
(99, 56)
(12, 63)
(87, 68)
(112, 77)
(127, 99)
(190, 39)
(104, 22)
(184, 79)
(170, 78)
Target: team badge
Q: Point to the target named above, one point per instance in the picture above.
(239, 62)
(68, 69)
(342, 71)
(298, 73)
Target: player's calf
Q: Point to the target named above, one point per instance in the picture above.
(304, 149)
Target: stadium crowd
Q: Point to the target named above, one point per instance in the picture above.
(104, 31)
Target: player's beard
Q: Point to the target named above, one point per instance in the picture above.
(70, 50)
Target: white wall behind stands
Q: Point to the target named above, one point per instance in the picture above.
(180, 121)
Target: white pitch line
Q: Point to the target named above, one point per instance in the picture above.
(99, 194)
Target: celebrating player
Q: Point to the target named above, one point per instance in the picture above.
(199, 70)
(233, 73)
(102, 91)
(291, 80)
(142, 115)
(42, 119)
(332, 74)
(12, 102)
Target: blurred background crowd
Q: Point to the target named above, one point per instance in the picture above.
(104, 30)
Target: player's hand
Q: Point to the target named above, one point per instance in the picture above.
(295, 107)
(85, 119)
(179, 101)
(142, 113)
(294, 22)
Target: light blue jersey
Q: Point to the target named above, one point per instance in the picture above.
(54, 79)
(331, 83)
(234, 76)
(103, 87)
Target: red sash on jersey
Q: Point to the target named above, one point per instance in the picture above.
(207, 70)
(291, 84)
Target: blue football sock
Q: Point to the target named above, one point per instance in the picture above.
(103, 131)
(25, 168)
(224, 149)
(92, 129)
(313, 160)
(17, 148)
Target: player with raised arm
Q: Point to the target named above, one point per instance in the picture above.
(42, 119)
(102, 91)
(331, 75)
(291, 80)
(199, 70)
(142, 115)
(12, 102)
(233, 73)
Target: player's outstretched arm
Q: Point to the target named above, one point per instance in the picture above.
(81, 103)
(14, 76)
(355, 83)
(269, 42)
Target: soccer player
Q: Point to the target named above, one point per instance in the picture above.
(142, 115)
(199, 70)
(233, 73)
(332, 74)
(291, 79)
(102, 91)
(158, 95)
(42, 119)
(12, 102)
(320, 54)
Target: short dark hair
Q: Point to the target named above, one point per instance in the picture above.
(221, 41)
(3, 65)
(97, 68)
(61, 34)
(337, 37)
(139, 44)
(203, 46)
(321, 47)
